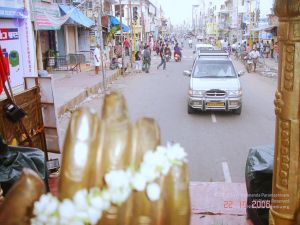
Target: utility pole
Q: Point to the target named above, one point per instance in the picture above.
(250, 24)
(142, 22)
(100, 41)
(122, 41)
(132, 33)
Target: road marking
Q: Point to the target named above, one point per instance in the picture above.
(213, 118)
(226, 172)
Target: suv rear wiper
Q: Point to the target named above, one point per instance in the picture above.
(209, 76)
(229, 77)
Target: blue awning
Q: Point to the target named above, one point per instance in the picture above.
(76, 15)
(114, 21)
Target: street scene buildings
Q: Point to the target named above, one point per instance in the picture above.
(157, 112)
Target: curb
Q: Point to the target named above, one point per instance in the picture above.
(86, 93)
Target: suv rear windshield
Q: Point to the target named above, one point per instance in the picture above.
(214, 69)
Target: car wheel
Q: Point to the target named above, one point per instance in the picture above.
(190, 110)
(238, 111)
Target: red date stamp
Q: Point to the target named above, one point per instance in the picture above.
(254, 204)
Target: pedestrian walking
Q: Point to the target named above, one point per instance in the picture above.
(267, 49)
(162, 57)
(138, 63)
(146, 59)
(126, 45)
(276, 51)
(261, 48)
(272, 48)
(97, 58)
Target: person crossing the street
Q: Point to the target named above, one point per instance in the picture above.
(162, 57)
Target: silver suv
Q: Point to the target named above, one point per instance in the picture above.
(214, 83)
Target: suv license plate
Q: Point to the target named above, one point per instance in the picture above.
(215, 103)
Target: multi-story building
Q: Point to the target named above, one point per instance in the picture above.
(142, 16)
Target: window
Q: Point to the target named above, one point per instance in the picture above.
(214, 69)
(117, 10)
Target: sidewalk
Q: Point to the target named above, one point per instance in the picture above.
(269, 68)
(72, 88)
(271, 64)
(215, 203)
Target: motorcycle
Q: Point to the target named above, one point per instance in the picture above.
(177, 57)
(249, 63)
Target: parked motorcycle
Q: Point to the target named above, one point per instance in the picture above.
(177, 57)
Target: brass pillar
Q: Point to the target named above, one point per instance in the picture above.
(286, 176)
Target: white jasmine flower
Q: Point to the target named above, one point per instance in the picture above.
(139, 182)
(106, 197)
(153, 192)
(148, 171)
(117, 179)
(76, 222)
(160, 150)
(176, 153)
(118, 196)
(149, 157)
(162, 163)
(94, 215)
(47, 205)
(97, 203)
(81, 215)
(87, 206)
(67, 211)
(80, 199)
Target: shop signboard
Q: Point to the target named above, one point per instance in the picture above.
(11, 47)
(11, 8)
(16, 40)
(47, 16)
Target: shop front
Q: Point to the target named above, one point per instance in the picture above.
(46, 21)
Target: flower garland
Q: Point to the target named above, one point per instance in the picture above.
(87, 206)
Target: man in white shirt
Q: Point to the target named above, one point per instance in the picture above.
(254, 54)
(97, 59)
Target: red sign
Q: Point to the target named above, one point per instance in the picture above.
(9, 34)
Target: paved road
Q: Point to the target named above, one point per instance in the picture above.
(217, 143)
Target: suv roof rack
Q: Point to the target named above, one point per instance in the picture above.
(212, 53)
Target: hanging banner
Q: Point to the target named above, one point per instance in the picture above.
(11, 8)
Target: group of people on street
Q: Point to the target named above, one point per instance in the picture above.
(143, 59)
(120, 53)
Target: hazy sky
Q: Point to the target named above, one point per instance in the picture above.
(180, 10)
